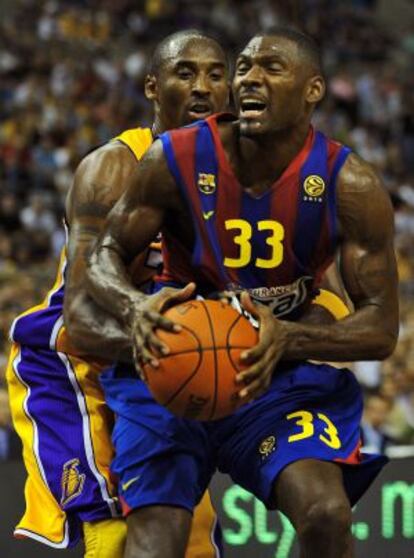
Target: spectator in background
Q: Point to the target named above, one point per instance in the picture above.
(376, 411)
(36, 217)
(10, 447)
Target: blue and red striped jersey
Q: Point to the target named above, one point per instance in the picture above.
(276, 245)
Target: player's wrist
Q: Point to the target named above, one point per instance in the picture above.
(134, 309)
(287, 334)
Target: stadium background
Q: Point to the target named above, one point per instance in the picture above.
(71, 77)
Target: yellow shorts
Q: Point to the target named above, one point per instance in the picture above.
(60, 414)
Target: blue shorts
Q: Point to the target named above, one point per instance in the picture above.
(159, 458)
(309, 412)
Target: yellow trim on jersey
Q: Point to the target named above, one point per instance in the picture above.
(139, 140)
(43, 519)
(332, 303)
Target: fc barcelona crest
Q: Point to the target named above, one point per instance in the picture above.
(314, 186)
(72, 481)
(206, 183)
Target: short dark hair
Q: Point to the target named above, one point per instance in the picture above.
(306, 44)
(161, 51)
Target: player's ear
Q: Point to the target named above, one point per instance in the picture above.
(151, 87)
(315, 91)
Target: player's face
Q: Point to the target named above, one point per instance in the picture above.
(273, 88)
(192, 83)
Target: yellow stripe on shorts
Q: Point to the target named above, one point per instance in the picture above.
(201, 543)
(100, 422)
(43, 519)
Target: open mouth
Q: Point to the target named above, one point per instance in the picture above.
(252, 107)
(200, 110)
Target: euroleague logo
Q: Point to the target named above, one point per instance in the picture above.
(314, 187)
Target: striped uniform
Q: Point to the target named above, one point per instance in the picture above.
(276, 246)
(59, 412)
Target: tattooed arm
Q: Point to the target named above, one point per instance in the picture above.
(138, 215)
(98, 184)
(368, 271)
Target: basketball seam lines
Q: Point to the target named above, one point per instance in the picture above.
(228, 343)
(214, 404)
(212, 348)
(200, 360)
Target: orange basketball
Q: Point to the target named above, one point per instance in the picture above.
(196, 380)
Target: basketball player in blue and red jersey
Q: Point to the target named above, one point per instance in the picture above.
(57, 402)
(260, 206)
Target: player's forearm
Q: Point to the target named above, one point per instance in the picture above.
(93, 332)
(110, 285)
(365, 335)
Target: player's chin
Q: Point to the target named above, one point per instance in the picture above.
(251, 126)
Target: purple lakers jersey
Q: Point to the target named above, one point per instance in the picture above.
(276, 245)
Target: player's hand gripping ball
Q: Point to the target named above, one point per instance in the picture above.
(196, 379)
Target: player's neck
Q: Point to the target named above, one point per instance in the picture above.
(275, 151)
(158, 127)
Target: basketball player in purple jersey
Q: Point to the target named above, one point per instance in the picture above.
(260, 206)
(57, 403)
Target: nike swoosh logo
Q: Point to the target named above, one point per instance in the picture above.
(128, 483)
(208, 214)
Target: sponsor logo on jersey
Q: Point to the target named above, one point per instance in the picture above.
(129, 483)
(267, 446)
(314, 187)
(72, 481)
(206, 183)
(281, 299)
(207, 215)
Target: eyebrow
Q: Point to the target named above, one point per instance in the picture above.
(194, 63)
(266, 57)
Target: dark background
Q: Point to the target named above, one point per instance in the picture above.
(383, 524)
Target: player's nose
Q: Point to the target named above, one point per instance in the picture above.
(201, 85)
(253, 77)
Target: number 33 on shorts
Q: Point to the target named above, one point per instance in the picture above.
(305, 420)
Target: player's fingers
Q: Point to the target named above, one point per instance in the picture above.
(251, 374)
(175, 296)
(256, 387)
(265, 341)
(160, 321)
(256, 353)
(144, 357)
(156, 345)
(141, 351)
(147, 358)
(249, 305)
(226, 296)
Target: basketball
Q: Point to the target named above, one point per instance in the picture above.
(196, 380)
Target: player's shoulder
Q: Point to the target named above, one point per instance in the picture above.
(137, 140)
(123, 150)
(359, 176)
(363, 202)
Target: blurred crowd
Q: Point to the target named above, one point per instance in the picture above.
(71, 77)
